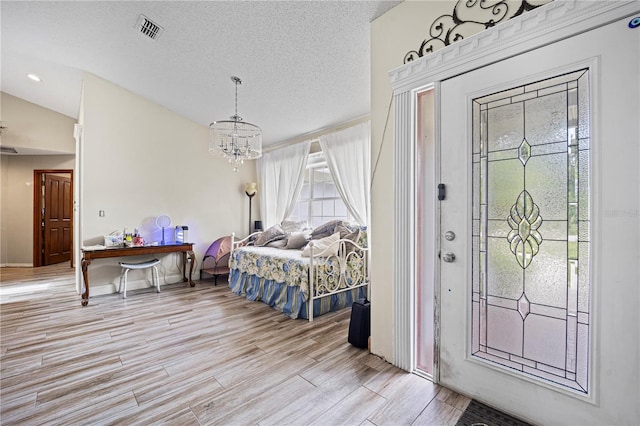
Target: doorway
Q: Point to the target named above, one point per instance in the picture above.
(52, 217)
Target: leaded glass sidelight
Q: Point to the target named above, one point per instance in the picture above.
(531, 229)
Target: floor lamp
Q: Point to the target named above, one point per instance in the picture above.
(251, 190)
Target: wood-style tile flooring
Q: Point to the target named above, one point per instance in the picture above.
(191, 356)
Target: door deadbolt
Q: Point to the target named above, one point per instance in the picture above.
(448, 257)
(449, 236)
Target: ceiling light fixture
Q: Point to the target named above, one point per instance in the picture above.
(34, 77)
(235, 139)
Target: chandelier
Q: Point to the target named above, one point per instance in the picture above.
(235, 139)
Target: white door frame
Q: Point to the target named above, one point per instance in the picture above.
(550, 23)
(77, 208)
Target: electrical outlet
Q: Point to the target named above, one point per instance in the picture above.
(101, 213)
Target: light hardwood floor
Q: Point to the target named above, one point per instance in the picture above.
(187, 355)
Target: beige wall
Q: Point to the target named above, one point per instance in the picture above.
(35, 129)
(140, 160)
(395, 33)
(32, 127)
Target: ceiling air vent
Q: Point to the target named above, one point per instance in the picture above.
(148, 27)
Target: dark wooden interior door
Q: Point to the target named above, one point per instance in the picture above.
(57, 232)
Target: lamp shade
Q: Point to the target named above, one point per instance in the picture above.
(251, 188)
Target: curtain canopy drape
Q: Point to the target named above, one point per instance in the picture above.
(348, 156)
(281, 174)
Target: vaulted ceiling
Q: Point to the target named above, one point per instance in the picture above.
(305, 65)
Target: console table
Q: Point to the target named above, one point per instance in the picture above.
(89, 255)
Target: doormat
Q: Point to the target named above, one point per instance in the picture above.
(478, 414)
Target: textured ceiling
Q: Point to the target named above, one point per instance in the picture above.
(305, 65)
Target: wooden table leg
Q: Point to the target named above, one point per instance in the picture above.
(184, 267)
(85, 275)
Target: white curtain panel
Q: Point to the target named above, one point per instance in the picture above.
(348, 156)
(281, 174)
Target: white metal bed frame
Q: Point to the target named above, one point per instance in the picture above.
(328, 275)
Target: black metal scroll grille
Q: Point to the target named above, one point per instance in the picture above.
(469, 17)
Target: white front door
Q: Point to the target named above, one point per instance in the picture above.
(539, 155)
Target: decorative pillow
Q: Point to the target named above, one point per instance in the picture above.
(297, 240)
(351, 226)
(323, 247)
(252, 239)
(325, 230)
(281, 244)
(344, 229)
(353, 236)
(293, 226)
(349, 232)
(272, 234)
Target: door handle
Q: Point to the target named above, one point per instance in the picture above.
(448, 257)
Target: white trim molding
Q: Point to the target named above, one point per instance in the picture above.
(404, 254)
(547, 24)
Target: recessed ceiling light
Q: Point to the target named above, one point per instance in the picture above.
(34, 77)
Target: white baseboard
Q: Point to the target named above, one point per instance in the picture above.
(16, 265)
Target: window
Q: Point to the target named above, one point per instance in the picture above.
(319, 200)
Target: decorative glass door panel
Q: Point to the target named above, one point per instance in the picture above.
(530, 299)
(425, 231)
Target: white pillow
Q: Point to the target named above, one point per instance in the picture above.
(323, 247)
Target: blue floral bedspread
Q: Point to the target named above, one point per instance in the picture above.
(282, 266)
(280, 278)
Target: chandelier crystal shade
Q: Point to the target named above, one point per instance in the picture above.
(235, 139)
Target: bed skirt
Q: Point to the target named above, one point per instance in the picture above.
(289, 299)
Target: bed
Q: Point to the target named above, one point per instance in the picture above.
(326, 274)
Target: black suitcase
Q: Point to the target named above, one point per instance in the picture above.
(360, 323)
